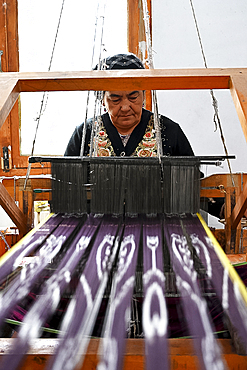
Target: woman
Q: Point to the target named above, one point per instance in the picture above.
(127, 128)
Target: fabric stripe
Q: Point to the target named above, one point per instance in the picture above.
(194, 305)
(154, 317)
(118, 316)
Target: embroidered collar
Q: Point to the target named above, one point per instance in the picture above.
(141, 142)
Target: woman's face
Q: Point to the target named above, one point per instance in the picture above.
(124, 108)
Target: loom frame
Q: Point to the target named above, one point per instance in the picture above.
(234, 79)
(11, 133)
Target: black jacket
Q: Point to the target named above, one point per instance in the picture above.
(174, 141)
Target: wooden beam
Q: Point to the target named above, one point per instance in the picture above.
(238, 88)
(9, 35)
(237, 258)
(214, 186)
(239, 209)
(133, 26)
(16, 215)
(158, 79)
(10, 63)
(9, 95)
(181, 354)
(137, 35)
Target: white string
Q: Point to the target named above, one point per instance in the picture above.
(97, 104)
(88, 94)
(151, 66)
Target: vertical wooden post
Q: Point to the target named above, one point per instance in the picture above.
(228, 220)
(137, 36)
(9, 44)
(238, 229)
(26, 205)
(232, 235)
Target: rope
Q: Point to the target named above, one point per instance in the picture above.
(41, 112)
(5, 241)
(216, 118)
(151, 66)
(96, 104)
(88, 93)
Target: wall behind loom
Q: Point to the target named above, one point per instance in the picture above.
(82, 25)
(223, 31)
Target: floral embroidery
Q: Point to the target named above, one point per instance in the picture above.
(104, 152)
(103, 147)
(146, 148)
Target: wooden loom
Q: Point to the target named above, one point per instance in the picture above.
(12, 83)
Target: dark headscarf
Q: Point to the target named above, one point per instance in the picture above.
(120, 61)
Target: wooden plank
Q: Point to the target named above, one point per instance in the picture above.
(237, 258)
(10, 63)
(136, 35)
(133, 26)
(182, 354)
(8, 204)
(22, 171)
(8, 97)
(9, 35)
(238, 88)
(158, 79)
(213, 186)
(239, 209)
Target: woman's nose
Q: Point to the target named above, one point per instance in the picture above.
(125, 104)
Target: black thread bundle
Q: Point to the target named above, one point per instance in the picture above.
(126, 185)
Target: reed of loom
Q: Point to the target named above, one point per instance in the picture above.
(126, 186)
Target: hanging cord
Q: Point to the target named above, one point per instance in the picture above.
(95, 130)
(41, 111)
(216, 118)
(151, 66)
(4, 239)
(88, 93)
